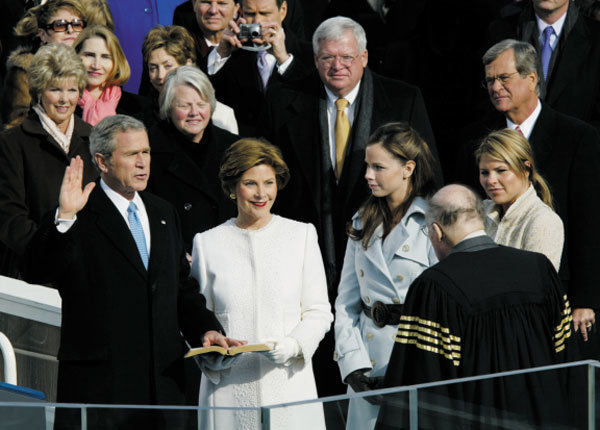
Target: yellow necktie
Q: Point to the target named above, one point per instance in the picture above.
(341, 133)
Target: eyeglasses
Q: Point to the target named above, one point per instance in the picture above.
(61, 25)
(503, 79)
(345, 60)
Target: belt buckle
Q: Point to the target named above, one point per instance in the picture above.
(380, 314)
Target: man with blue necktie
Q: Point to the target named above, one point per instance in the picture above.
(242, 76)
(568, 46)
(115, 254)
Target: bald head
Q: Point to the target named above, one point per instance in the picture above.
(454, 212)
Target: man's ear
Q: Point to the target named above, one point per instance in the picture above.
(438, 233)
(283, 11)
(102, 162)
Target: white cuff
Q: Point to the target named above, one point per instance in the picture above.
(63, 225)
(281, 68)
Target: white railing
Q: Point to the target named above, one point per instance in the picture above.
(10, 361)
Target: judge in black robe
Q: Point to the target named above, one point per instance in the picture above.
(483, 309)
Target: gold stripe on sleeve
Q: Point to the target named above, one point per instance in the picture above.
(429, 336)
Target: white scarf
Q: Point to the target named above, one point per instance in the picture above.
(64, 140)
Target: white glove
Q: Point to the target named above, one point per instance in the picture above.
(217, 362)
(283, 351)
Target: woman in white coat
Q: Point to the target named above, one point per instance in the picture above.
(263, 277)
(519, 209)
(386, 251)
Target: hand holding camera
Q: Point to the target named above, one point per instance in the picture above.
(254, 37)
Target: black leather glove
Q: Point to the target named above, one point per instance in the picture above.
(361, 382)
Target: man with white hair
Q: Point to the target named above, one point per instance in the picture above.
(482, 309)
(322, 126)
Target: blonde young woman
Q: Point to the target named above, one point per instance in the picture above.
(519, 208)
(107, 71)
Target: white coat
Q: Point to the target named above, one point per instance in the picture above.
(263, 284)
(382, 273)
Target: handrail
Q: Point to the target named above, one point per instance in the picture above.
(10, 361)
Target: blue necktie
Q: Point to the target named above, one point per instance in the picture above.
(137, 232)
(263, 68)
(546, 50)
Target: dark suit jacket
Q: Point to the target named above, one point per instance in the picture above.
(238, 84)
(184, 15)
(567, 153)
(293, 123)
(573, 87)
(32, 166)
(188, 179)
(120, 331)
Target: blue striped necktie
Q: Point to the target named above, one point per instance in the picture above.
(547, 50)
(137, 232)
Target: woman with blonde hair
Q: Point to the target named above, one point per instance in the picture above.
(107, 71)
(56, 21)
(519, 209)
(34, 154)
(386, 251)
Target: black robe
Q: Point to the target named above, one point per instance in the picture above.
(484, 309)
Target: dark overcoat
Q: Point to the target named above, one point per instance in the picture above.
(121, 331)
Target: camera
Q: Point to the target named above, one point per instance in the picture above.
(250, 31)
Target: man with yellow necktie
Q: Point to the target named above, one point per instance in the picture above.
(321, 126)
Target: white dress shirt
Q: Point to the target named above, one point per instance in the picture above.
(557, 26)
(527, 125)
(121, 203)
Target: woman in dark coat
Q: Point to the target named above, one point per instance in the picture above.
(56, 21)
(34, 154)
(186, 153)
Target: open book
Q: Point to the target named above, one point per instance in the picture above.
(256, 347)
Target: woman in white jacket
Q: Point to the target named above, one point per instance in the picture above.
(386, 251)
(263, 277)
(519, 209)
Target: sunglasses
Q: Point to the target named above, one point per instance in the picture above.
(61, 25)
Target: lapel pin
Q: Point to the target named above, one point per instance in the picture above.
(162, 221)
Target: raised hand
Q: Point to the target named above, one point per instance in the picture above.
(272, 32)
(72, 197)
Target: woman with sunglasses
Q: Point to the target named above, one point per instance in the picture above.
(56, 21)
(107, 71)
(386, 251)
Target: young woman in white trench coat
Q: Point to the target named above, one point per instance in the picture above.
(263, 277)
(386, 251)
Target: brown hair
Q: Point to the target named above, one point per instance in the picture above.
(176, 40)
(120, 72)
(246, 153)
(38, 17)
(511, 147)
(404, 143)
